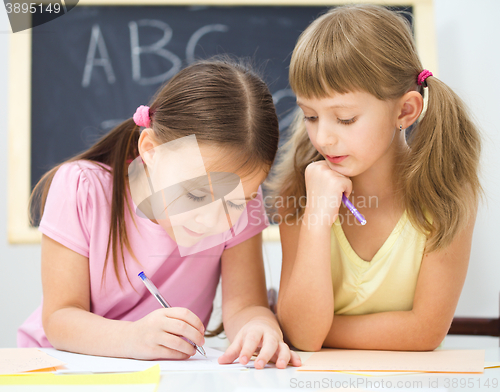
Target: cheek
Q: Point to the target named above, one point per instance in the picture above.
(312, 136)
(374, 147)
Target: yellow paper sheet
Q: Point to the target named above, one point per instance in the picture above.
(17, 360)
(149, 376)
(439, 361)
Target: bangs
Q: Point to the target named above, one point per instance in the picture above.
(329, 58)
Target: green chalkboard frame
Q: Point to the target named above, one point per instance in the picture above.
(19, 230)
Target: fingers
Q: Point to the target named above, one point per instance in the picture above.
(181, 327)
(269, 347)
(232, 352)
(176, 343)
(187, 316)
(286, 356)
(347, 187)
(295, 359)
(250, 345)
(168, 353)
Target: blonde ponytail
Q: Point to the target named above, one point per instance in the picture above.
(440, 174)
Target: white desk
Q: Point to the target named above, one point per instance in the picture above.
(271, 379)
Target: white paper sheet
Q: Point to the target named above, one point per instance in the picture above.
(79, 363)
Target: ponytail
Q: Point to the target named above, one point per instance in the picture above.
(221, 100)
(439, 181)
(113, 149)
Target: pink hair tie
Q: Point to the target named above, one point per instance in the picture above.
(422, 76)
(141, 116)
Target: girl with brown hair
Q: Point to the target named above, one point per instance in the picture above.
(214, 120)
(394, 283)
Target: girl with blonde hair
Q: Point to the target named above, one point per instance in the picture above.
(394, 283)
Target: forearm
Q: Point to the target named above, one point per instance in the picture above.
(305, 306)
(77, 330)
(398, 330)
(235, 322)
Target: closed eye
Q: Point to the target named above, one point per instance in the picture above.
(346, 122)
(310, 119)
(236, 206)
(195, 198)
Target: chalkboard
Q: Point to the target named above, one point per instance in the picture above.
(91, 68)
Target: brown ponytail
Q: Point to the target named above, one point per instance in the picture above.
(222, 100)
(113, 150)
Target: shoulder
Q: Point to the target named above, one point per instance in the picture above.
(82, 180)
(83, 174)
(84, 169)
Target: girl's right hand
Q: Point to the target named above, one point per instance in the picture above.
(159, 334)
(324, 188)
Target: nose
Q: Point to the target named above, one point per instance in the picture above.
(209, 217)
(325, 135)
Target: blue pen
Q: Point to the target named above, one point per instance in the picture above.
(156, 293)
(353, 209)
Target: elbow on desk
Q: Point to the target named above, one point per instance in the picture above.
(300, 340)
(52, 337)
(308, 344)
(429, 340)
(432, 342)
(302, 336)
(53, 333)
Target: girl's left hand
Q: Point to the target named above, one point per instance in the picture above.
(260, 333)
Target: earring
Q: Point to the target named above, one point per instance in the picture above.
(400, 127)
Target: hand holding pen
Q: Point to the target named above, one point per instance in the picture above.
(156, 293)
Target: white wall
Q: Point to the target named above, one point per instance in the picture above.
(467, 34)
(20, 286)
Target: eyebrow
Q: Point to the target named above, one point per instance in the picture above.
(246, 198)
(238, 198)
(241, 198)
(338, 106)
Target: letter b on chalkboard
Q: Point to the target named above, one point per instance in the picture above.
(25, 14)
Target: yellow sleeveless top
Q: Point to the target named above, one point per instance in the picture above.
(387, 282)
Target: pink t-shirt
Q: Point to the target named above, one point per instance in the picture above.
(77, 215)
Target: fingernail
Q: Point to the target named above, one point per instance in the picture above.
(243, 359)
(260, 363)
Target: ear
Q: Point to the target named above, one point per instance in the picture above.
(146, 146)
(410, 106)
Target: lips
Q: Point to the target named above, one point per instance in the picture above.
(336, 159)
(191, 232)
